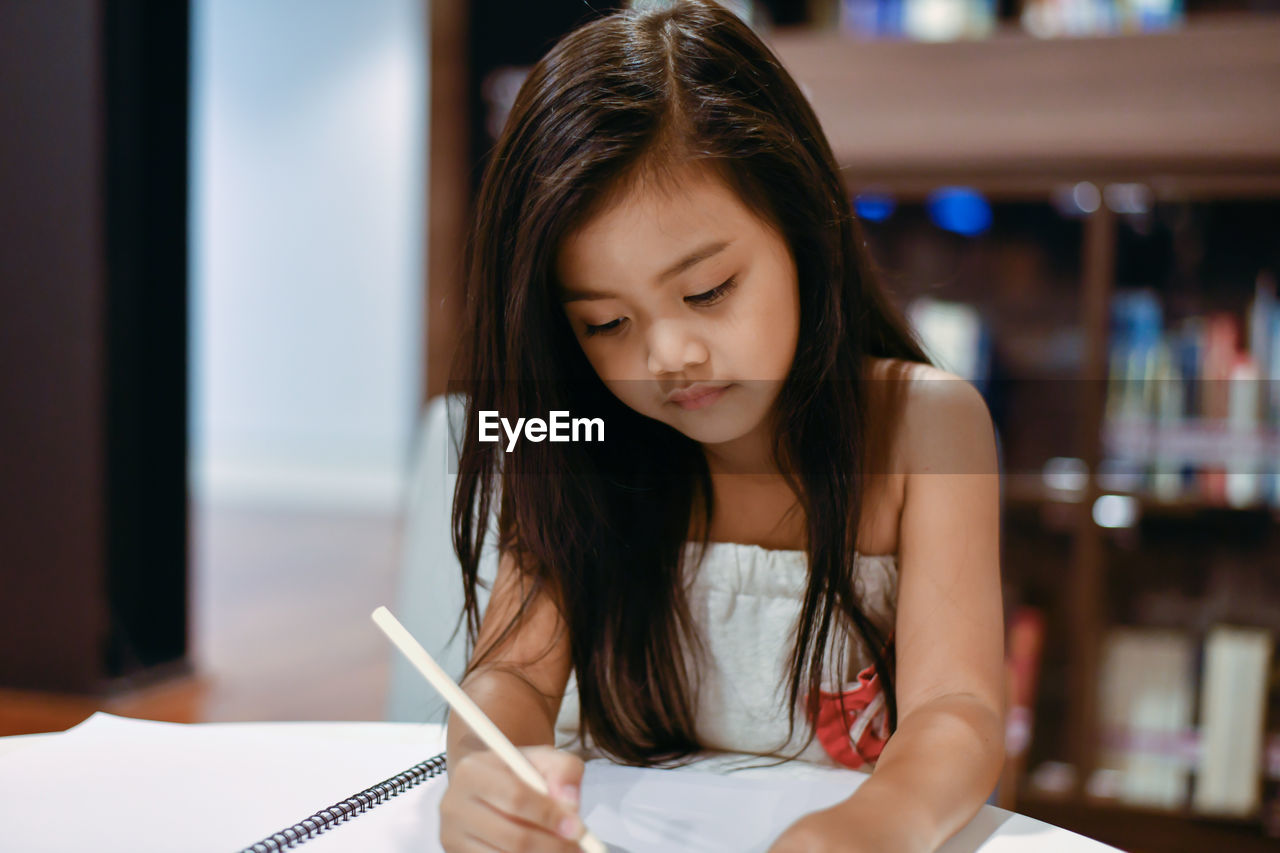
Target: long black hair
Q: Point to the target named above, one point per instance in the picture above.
(601, 528)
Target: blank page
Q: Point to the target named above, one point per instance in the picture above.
(118, 784)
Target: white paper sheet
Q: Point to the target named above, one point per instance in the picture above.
(648, 811)
(639, 811)
(116, 784)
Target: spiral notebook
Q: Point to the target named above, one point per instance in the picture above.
(353, 806)
(149, 787)
(114, 784)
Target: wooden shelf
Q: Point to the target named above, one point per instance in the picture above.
(1191, 508)
(1027, 490)
(1197, 442)
(1192, 112)
(1140, 830)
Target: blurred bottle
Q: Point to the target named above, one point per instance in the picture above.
(744, 9)
(948, 20)
(1053, 18)
(1243, 482)
(921, 20)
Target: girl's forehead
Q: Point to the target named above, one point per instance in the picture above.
(642, 225)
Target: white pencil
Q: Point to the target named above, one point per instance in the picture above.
(470, 712)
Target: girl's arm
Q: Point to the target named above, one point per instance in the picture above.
(519, 687)
(521, 683)
(945, 756)
(943, 761)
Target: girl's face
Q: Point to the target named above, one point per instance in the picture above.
(667, 290)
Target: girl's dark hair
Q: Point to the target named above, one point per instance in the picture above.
(601, 527)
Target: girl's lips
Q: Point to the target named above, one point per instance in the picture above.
(701, 399)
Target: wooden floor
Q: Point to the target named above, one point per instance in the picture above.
(281, 628)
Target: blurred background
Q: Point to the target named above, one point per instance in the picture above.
(229, 278)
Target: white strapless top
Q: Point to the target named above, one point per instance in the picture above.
(745, 601)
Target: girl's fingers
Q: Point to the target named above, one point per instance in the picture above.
(476, 827)
(562, 770)
(509, 796)
(509, 834)
(487, 804)
(471, 844)
(484, 797)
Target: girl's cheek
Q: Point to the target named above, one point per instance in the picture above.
(612, 370)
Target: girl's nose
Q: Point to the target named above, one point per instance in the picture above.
(672, 348)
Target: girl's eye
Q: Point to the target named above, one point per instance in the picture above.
(711, 297)
(606, 329)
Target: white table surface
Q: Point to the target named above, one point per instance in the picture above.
(993, 830)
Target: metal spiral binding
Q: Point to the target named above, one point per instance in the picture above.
(312, 826)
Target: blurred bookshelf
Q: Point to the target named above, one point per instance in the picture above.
(1192, 111)
(1089, 229)
(1040, 204)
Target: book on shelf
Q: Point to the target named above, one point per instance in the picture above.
(955, 336)
(1261, 318)
(1053, 18)
(1268, 319)
(1264, 324)
(1193, 409)
(1136, 323)
(1271, 755)
(1221, 334)
(924, 20)
(1167, 468)
(1025, 647)
(1244, 477)
(1154, 751)
(1233, 701)
(1146, 696)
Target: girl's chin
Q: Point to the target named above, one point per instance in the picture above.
(710, 432)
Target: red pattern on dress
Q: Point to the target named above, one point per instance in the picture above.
(853, 724)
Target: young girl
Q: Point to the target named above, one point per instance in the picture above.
(787, 544)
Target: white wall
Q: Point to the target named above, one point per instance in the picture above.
(307, 248)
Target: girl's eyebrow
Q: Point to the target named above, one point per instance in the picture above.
(696, 256)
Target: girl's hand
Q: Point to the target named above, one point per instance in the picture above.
(841, 829)
(487, 807)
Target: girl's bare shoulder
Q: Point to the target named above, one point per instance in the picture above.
(919, 412)
(933, 422)
(901, 370)
(945, 426)
(916, 386)
(893, 402)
